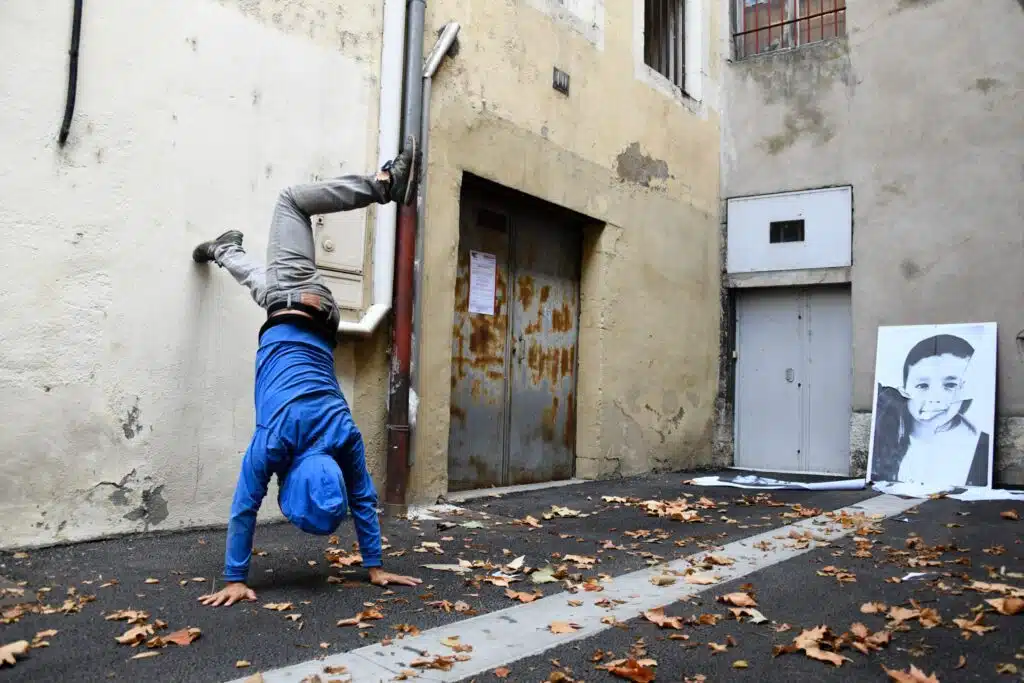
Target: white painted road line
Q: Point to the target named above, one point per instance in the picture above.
(503, 637)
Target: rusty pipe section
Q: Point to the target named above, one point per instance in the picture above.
(396, 475)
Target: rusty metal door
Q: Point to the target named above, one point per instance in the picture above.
(514, 370)
(545, 328)
(476, 435)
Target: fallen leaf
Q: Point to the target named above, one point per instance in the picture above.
(129, 615)
(822, 655)
(657, 616)
(146, 655)
(502, 672)
(974, 625)
(516, 564)
(1006, 668)
(293, 617)
(472, 525)
(278, 606)
(545, 575)
(242, 663)
(136, 635)
(152, 580)
(457, 568)
(359, 618)
(522, 596)
(575, 603)
(8, 652)
(453, 643)
(961, 663)
(580, 561)
(1007, 606)
(441, 662)
(915, 675)
(631, 670)
(663, 580)
(738, 599)
(873, 608)
(183, 637)
(563, 627)
(720, 560)
(716, 648)
(755, 616)
(336, 669)
(1012, 515)
(700, 579)
(740, 664)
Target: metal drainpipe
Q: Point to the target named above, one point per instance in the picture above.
(69, 104)
(430, 66)
(397, 456)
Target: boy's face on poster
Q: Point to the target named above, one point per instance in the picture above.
(934, 388)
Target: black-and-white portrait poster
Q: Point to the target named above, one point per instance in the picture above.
(934, 406)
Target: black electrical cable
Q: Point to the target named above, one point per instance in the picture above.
(69, 107)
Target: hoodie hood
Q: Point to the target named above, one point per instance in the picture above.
(312, 495)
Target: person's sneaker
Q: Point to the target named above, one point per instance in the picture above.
(405, 173)
(205, 251)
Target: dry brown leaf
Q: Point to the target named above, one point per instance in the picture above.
(130, 615)
(365, 615)
(1006, 669)
(336, 669)
(738, 599)
(929, 618)
(974, 625)
(522, 596)
(136, 635)
(700, 579)
(873, 608)
(563, 627)
(901, 614)
(8, 652)
(575, 603)
(278, 606)
(440, 662)
(915, 675)
(183, 637)
(631, 670)
(961, 663)
(657, 616)
(663, 580)
(1007, 606)
(716, 648)
(755, 615)
(1012, 515)
(822, 655)
(453, 643)
(501, 672)
(720, 560)
(242, 663)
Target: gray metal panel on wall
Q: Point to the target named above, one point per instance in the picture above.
(829, 380)
(768, 378)
(476, 436)
(545, 329)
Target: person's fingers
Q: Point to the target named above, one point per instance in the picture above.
(230, 601)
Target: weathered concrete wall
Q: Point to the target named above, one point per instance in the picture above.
(920, 110)
(126, 371)
(616, 149)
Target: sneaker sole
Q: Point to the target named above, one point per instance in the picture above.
(412, 183)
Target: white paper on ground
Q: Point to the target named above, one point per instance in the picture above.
(750, 481)
(972, 493)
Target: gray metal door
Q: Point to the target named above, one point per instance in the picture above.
(476, 436)
(768, 353)
(829, 374)
(545, 328)
(514, 372)
(793, 380)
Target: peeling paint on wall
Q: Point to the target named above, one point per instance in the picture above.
(636, 166)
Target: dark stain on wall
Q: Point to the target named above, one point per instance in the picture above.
(635, 166)
(153, 509)
(910, 269)
(131, 426)
(985, 85)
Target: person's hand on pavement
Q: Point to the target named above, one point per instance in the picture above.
(379, 577)
(229, 595)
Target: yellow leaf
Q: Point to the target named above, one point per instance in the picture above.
(242, 663)
(563, 627)
(1007, 606)
(740, 664)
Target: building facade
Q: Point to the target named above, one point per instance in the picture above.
(872, 161)
(591, 195)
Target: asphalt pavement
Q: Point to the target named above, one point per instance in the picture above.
(164, 575)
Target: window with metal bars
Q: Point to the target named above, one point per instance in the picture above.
(768, 25)
(664, 28)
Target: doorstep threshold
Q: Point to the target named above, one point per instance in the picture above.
(496, 491)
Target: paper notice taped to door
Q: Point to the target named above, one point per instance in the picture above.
(482, 268)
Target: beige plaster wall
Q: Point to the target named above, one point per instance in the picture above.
(625, 153)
